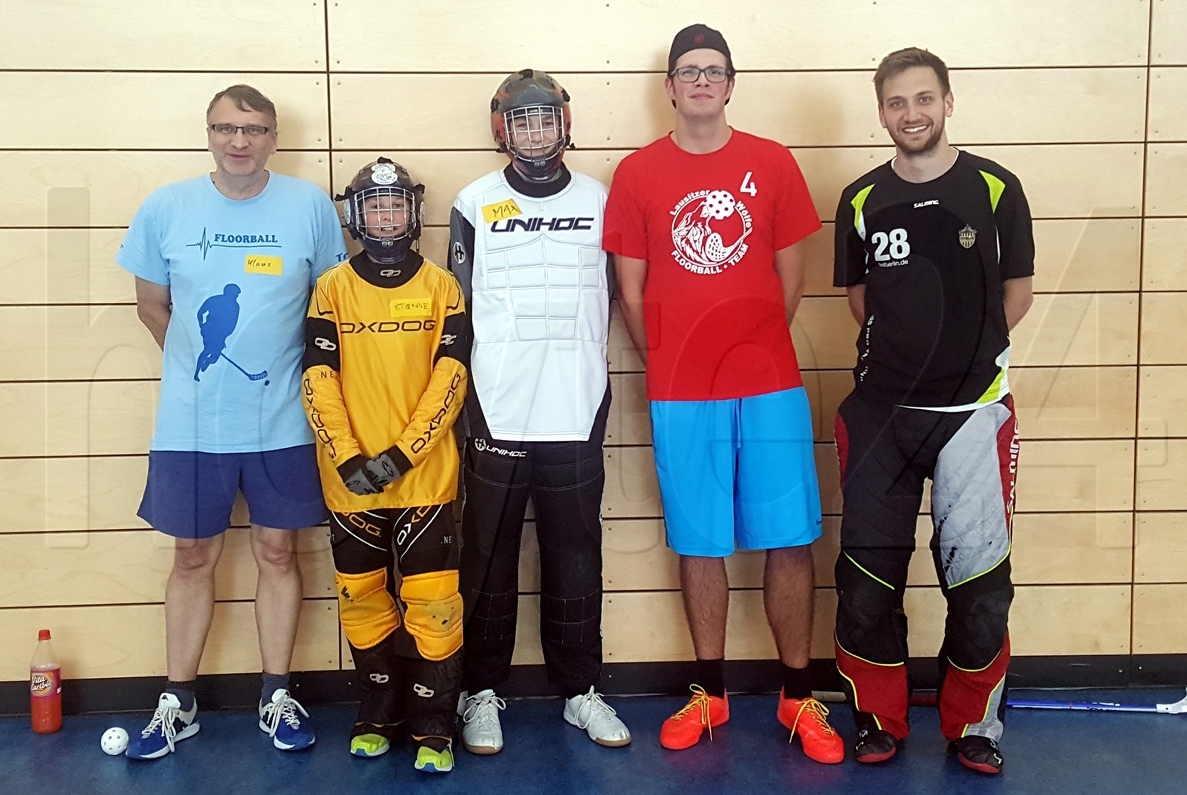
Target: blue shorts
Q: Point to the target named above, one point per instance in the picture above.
(189, 495)
(737, 472)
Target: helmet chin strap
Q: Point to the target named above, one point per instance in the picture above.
(523, 169)
(387, 255)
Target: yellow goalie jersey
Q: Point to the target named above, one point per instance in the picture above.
(386, 356)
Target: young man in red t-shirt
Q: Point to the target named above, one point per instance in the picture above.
(707, 226)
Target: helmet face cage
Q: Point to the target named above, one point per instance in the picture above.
(536, 135)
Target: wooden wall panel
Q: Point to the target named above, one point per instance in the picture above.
(93, 568)
(1087, 255)
(77, 34)
(1161, 473)
(78, 418)
(1160, 548)
(63, 266)
(1077, 329)
(1168, 104)
(626, 111)
(1074, 402)
(1159, 621)
(634, 36)
(178, 101)
(1162, 314)
(1166, 192)
(1168, 43)
(103, 642)
(71, 494)
(97, 189)
(1076, 476)
(1163, 407)
(1163, 265)
(1070, 620)
(76, 342)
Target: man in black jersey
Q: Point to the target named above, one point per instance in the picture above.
(936, 253)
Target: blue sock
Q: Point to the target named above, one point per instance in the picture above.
(272, 683)
(184, 692)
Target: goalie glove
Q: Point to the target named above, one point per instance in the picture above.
(387, 467)
(354, 474)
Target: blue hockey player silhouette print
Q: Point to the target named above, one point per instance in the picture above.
(217, 318)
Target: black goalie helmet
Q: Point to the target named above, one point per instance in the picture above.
(531, 121)
(384, 210)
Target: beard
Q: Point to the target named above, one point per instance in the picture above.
(915, 146)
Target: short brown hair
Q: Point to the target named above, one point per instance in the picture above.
(246, 98)
(902, 60)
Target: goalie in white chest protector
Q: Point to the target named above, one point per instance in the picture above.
(525, 244)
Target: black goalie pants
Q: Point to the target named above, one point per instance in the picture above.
(397, 582)
(564, 480)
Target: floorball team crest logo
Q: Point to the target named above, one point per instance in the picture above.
(702, 223)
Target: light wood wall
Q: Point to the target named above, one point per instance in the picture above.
(1083, 99)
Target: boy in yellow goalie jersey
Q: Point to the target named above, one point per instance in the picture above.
(385, 373)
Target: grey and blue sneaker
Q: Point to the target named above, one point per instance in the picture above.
(169, 726)
(286, 722)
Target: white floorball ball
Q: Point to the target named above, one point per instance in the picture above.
(114, 742)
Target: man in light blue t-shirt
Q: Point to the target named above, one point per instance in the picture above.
(224, 264)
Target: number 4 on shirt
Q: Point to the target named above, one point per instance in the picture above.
(747, 185)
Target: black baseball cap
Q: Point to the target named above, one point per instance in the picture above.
(697, 37)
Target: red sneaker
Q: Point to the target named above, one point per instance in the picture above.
(807, 716)
(683, 729)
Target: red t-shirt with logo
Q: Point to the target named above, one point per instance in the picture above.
(709, 226)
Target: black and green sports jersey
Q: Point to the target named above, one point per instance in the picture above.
(932, 257)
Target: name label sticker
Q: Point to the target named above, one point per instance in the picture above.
(501, 210)
(259, 263)
(411, 307)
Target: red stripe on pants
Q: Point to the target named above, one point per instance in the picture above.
(880, 690)
(1007, 457)
(964, 698)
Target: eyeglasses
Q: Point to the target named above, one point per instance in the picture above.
(250, 130)
(690, 74)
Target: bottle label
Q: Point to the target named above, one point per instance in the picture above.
(45, 683)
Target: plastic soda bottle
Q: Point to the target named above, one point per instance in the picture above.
(45, 686)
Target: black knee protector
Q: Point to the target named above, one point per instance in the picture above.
(431, 695)
(978, 613)
(871, 623)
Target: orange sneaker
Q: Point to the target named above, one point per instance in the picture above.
(807, 717)
(683, 730)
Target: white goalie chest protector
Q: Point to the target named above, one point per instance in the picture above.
(540, 308)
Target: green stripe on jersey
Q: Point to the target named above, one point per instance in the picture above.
(996, 189)
(859, 221)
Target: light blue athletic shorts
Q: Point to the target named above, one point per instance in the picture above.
(737, 473)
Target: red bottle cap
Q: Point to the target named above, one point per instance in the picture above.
(43, 634)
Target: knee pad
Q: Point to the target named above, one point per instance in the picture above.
(366, 609)
(871, 623)
(433, 616)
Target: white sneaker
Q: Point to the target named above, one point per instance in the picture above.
(598, 718)
(481, 732)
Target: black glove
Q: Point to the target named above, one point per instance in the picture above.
(387, 467)
(354, 474)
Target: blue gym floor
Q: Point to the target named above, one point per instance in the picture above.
(1046, 752)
